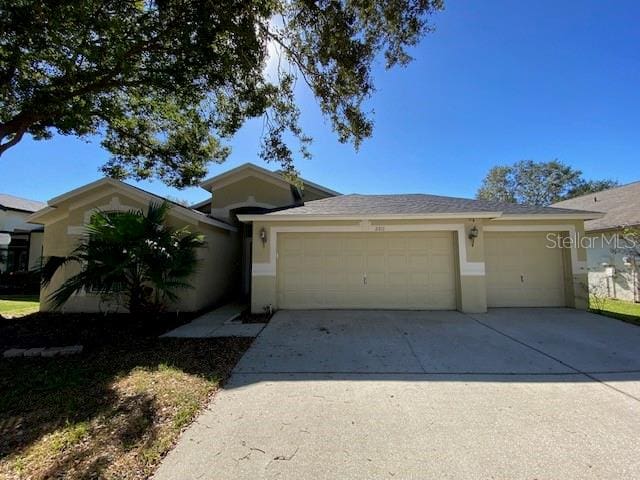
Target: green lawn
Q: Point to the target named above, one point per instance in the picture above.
(627, 311)
(14, 305)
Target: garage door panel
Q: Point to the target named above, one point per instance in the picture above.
(354, 244)
(376, 263)
(294, 281)
(305, 281)
(290, 262)
(398, 279)
(397, 263)
(336, 279)
(376, 244)
(291, 244)
(522, 272)
(333, 296)
(376, 279)
(403, 270)
(417, 243)
(333, 262)
(354, 262)
(440, 245)
(313, 263)
(440, 263)
(331, 245)
(440, 280)
(418, 262)
(420, 279)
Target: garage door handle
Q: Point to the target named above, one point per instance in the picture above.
(364, 278)
(521, 278)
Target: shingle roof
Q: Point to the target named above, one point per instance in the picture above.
(412, 204)
(621, 206)
(22, 204)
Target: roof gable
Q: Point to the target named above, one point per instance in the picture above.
(128, 190)
(250, 170)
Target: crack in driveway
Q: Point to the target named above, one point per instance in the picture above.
(413, 352)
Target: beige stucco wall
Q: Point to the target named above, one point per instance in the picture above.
(218, 274)
(213, 279)
(310, 193)
(35, 249)
(252, 190)
(471, 295)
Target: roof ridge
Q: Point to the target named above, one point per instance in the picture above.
(419, 203)
(441, 199)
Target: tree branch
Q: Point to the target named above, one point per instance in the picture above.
(17, 136)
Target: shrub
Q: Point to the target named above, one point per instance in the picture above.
(133, 257)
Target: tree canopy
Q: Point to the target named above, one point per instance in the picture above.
(165, 82)
(537, 183)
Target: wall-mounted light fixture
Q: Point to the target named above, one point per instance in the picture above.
(473, 234)
(263, 236)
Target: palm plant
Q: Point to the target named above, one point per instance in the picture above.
(131, 256)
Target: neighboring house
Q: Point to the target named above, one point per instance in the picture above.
(613, 269)
(20, 241)
(306, 246)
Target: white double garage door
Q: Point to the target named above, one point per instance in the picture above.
(412, 270)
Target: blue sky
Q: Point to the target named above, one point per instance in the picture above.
(497, 82)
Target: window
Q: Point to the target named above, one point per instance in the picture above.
(17, 254)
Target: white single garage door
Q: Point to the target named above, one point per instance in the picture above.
(366, 270)
(522, 272)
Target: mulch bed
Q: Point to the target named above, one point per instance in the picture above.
(87, 329)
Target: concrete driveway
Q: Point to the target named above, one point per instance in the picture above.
(514, 393)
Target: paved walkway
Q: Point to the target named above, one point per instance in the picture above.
(515, 393)
(218, 323)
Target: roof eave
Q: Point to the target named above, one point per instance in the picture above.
(177, 210)
(83, 188)
(195, 206)
(35, 217)
(272, 217)
(551, 216)
(608, 228)
(13, 209)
